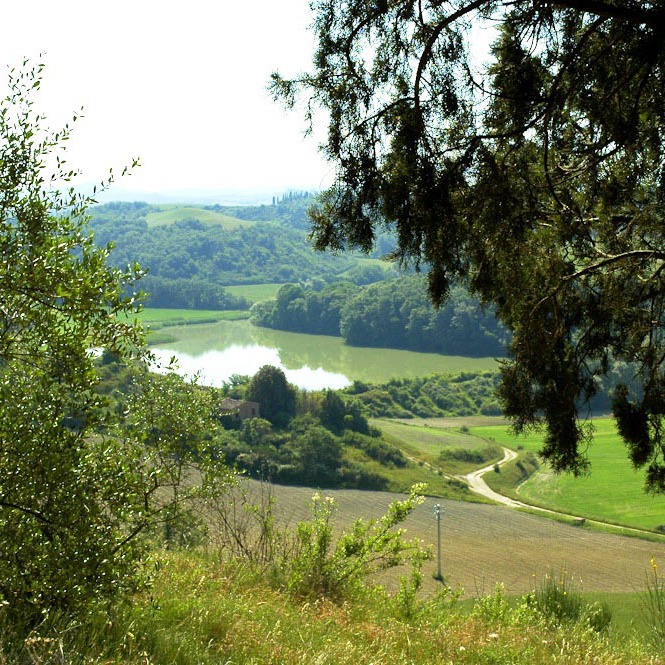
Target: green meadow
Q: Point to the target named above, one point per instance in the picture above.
(613, 491)
(171, 214)
(156, 317)
(255, 292)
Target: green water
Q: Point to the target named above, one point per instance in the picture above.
(216, 351)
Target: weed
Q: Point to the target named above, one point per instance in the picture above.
(559, 602)
(654, 603)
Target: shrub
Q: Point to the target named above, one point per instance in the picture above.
(558, 601)
(319, 567)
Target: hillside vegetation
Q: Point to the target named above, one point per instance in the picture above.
(393, 313)
(205, 607)
(172, 214)
(192, 253)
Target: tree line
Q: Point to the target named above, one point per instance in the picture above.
(190, 262)
(394, 314)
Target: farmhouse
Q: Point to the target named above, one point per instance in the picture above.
(239, 409)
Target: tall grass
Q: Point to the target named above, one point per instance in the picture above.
(654, 604)
(203, 610)
(320, 604)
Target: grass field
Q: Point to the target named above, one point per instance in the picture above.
(157, 317)
(426, 441)
(254, 292)
(612, 492)
(158, 320)
(171, 214)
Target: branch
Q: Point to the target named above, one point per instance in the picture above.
(650, 17)
(28, 511)
(634, 254)
(427, 51)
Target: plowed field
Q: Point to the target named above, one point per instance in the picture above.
(483, 545)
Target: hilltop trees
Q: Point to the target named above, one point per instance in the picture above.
(538, 178)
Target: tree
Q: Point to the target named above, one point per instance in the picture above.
(538, 178)
(275, 395)
(73, 495)
(333, 411)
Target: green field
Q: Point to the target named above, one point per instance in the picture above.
(612, 492)
(171, 214)
(159, 320)
(157, 317)
(254, 292)
(426, 442)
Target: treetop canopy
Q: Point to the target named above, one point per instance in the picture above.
(538, 178)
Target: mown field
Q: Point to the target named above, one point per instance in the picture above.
(484, 545)
(612, 492)
(169, 215)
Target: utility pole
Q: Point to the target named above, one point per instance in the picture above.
(437, 513)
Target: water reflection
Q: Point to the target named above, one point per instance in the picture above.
(216, 367)
(217, 351)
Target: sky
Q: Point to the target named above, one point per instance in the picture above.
(180, 85)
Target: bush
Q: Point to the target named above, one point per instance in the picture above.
(318, 567)
(558, 601)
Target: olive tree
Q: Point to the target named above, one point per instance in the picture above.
(74, 493)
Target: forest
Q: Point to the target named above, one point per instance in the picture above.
(200, 251)
(392, 313)
(192, 259)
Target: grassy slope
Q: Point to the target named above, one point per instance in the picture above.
(171, 214)
(424, 441)
(204, 612)
(613, 492)
(255, 292)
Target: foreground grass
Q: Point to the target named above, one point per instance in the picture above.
(202, 611)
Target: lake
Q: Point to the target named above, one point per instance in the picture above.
(216, 351)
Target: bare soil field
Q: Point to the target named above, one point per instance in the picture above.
(483, 545)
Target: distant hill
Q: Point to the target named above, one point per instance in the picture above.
(170, 214)
(192, 252)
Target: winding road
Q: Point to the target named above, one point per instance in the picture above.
(478, 485)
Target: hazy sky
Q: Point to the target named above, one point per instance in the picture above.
(181, 85)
